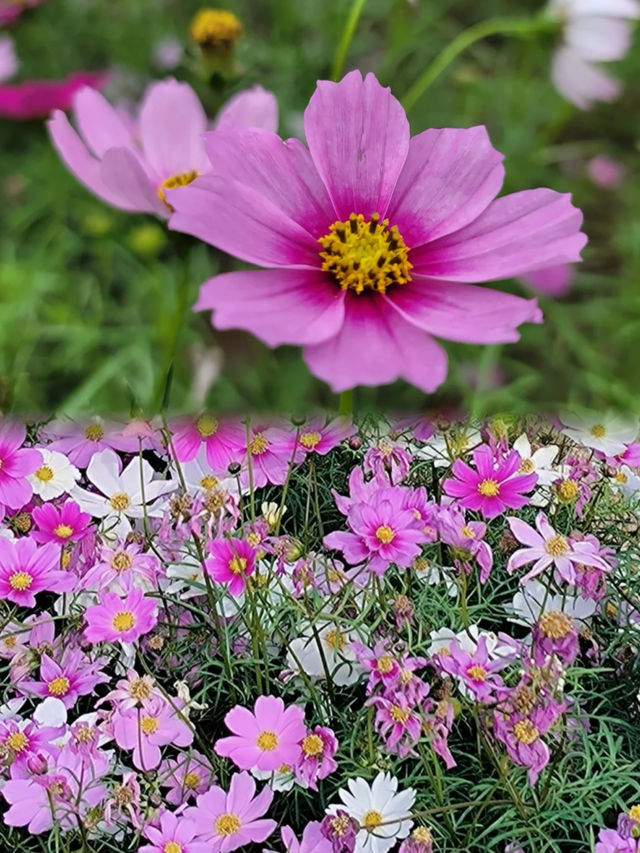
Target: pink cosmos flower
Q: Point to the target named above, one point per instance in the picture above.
(545, 547)
(493, 486)
(223, 441)
(312, 841)
(231, 561)
(466, 540)
(22, 742)
(130, 162)
(317, 436)
(124, 619)
(231, 820)
(27, 569)
(60, 524)
(270, 449)
(80, 441)
(388, 460)
(16, 463)
(522, 735)
(553, 281)
(173, 835)
(370, 238)
(145, 730)
(605, 172)
(398, 723)
(475, 669)
(37, 98)
(186, 777)
(10, 10)
(74, 676)
(625, 838)
(265, 739)
(122, 568)
(316, 761)
(8, 58)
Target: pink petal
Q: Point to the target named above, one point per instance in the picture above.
(581, 82)
(464, 312)
(278, 306)
(123, 174)
(449, 178)
(254, 107)
(172, 123)
(99, 123)
(375, 346)
(358, 135)
(237, 219)
(281, 171)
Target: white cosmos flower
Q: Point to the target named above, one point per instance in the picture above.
(199, 477)
(497, 646)
(444, 450)
(626, 481)
(533, 598)
(132, 492)
(379, 809)
(593, 31)
(540, 462)
(436, 575)
(339, 659)
(56, 476)
(608, 433)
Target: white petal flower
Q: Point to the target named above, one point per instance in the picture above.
(56, 476)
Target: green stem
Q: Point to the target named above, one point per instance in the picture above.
(162, 390)
(345, 403)
(494, 26)
(346, 39)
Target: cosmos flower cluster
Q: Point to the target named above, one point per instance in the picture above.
(134, 554)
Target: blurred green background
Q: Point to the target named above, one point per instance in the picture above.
(89, 296)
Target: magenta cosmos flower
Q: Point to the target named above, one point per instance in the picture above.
(125, 619)
(223, 440)
(63, 524)
(130, 162)
(10, 10)
(173, 835)
(37, 98)
(16, 463)
(231, 820)
(265, 739)
(493, 486)
(27, 569)
(231, 561)
(370, 238)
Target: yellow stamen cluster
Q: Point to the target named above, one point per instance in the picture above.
(399, 714)
(58, 686)
(17, 741)
(385, 664)
(567, 491)
(123, 621)
(385, 534)
(141, 688)
(267, 741)
(554, 624)
(149, 725)
(44, 473)
(527, 466)
(20, 581)
(207, 425)
(120, 501)
(120, 561)
(334, 639)
(209, 482)
(365, 255)
(182, 179)
(172, 847)
(477, 672)
(371, 819)
(191, 780)
(237, 565)
(525, 732)
(215, 28)
(598, 431)
(489, 488)
(94, 432)
(310, 439)
(227, 824)
(340, 825)
(634, 812)
(63, 531)
(312, 746)
(557, 546)
(258, 444)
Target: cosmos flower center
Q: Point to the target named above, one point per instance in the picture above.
(215, 28)
(385, 534)
(385, 664)
(207, 425)
(489, 488)
(172, 847)
(182, 179)
(554, 624)
(310, 439)
(258, 444)
(334, 639)
(209, 482)
(422, 834)
(567, 490)
(467, 532)
(371, 819)
(149, 725)
(312, 746)
(525, 731)
(267, 741)
(17, 741)
(120, 561)
(621, 477)
(340, 825)
(141, 689)
(44, 473)
(398, 714)
(59, 686)
(120, 501)
(63, 531)
(634, 812)
(477, 672)
(365, 254)
(20, 581)
(191, 780)
(598, 431)
(94, 432)
(527, 466)
(123, 621)
(557, 546)
(237, 565)
(227, 824)
(84, 733)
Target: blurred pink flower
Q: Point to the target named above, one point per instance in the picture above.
(37, 98)
(10, 10)
(130, 163)
(605, 172)
(370, 238)
(8, 58)
(594, 31)
(551, 281)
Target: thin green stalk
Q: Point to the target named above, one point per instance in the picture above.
(468, 37)
(345, 403)
(346, 39)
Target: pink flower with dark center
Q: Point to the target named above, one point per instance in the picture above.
(27, 569)
(231, 561)
(74, 676)
(60, 524)
(265, 739)
(120, 619)
(370, 238)
(545, 547)
(144, 730)
(130, 162)
(493, 486)
(223, 441)
(318, 436)
(227, 821)
(173, 835)
(16, 463)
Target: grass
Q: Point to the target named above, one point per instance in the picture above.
(95, 302)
